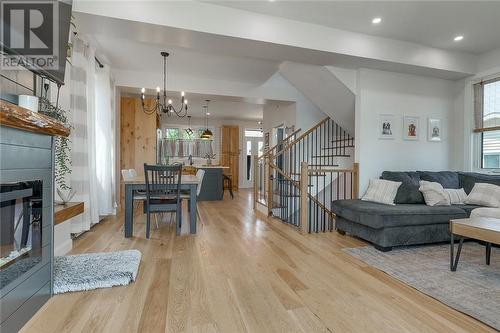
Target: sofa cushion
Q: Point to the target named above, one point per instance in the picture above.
(467, 208)
(469, 179)
(486, 212)
(448, 179)
(408, 191)
(377, 216)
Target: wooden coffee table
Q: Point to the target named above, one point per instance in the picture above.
(480, 228)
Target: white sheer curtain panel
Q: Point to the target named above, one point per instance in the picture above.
(83, 176)
(104, 129)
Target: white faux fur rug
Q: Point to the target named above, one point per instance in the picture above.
(95, 270)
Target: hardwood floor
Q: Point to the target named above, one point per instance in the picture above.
(244, 272)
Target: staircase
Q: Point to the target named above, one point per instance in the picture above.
(296, 180)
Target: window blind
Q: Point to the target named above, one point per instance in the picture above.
(487, 105)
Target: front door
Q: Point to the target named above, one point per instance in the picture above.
(253, 146)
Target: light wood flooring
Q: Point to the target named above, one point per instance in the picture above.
(243, 272)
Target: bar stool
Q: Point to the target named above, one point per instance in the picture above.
(228, 183)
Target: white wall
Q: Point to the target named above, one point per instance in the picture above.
(401, 94)
(489, 62)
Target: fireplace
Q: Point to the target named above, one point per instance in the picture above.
(20, 229)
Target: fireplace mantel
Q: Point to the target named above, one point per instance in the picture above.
(12, 115)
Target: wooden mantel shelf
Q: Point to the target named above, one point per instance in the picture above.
(65, 212)
(18, 117)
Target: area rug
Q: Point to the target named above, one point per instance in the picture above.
(473, 289)
(95, 270)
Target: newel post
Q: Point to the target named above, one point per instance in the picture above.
(269, 184)
(355, 182)
(304, 179)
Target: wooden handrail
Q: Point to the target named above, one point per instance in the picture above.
(294, 142)
(270, 150)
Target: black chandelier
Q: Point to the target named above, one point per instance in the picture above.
(164, 104)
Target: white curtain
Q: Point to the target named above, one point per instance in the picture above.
(104, 129)
(83, 176)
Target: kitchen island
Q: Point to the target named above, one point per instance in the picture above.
(213, 186)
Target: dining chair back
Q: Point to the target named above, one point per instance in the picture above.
(163, 192)
(126, 174)
(200, 174)
(133, 172)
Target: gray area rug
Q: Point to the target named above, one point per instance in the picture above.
(473, 289)
(95, 270)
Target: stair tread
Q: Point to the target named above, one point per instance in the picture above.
(336, 155)
(339, 147)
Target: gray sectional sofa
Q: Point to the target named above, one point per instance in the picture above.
(410, 221)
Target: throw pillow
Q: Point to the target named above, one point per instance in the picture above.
(486, 212)
(434, 194)
(381, 191)
(484, 194)
(408, 192)
(457, 197)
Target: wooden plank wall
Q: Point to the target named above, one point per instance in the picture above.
(137, 136)
(230, 151)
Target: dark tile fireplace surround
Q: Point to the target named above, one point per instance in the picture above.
(26, 225)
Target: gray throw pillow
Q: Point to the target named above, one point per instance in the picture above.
(408, 192)
(447, 179)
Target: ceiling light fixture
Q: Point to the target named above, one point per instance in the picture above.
(458, 38)
(189, 130)
(164, 105)
(207, 134)
(377, 20)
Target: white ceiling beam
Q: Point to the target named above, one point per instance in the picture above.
(228, 22)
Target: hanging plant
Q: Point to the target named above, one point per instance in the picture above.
(62, 145)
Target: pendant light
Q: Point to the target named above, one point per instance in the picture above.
(189, 130)
(207, 134)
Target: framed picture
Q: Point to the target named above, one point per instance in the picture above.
(386, 126)
(411, 128)
(434, 129)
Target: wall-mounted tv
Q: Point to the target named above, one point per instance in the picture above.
(35, 34)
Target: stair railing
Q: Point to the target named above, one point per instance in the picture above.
(299, 176)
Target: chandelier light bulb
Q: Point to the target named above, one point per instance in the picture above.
(163, 103)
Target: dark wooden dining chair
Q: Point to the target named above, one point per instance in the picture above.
(159, 198)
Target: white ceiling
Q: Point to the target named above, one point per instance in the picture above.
(227, 107)
(128, 54)
(431, 23)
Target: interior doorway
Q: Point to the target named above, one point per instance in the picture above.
(253, 145)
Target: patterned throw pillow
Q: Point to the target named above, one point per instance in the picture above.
(381, 191)
(484, 195)
(457, 197)
(434, 194)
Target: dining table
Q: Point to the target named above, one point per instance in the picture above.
(134, 184)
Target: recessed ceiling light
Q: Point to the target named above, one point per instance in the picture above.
(377, 20)
(458, 38)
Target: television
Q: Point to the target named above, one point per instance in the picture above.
(40, 40)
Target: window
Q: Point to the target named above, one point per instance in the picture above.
(487, 117)
(491, 149)
(172, 133)
(253, 133)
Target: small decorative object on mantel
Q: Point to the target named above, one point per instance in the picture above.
(435, 130)
(386, 126)
(411, 128)
(65, 196)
